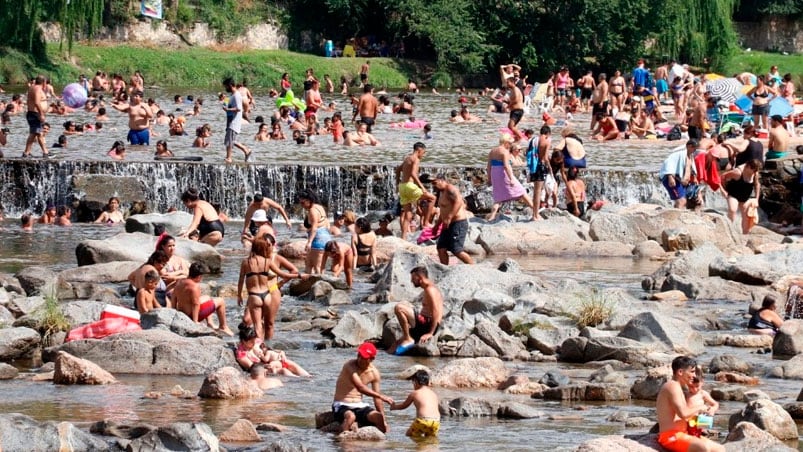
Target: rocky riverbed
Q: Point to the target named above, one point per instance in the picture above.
(517, 352)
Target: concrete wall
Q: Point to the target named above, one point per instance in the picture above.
(772, 33)
(262, 36)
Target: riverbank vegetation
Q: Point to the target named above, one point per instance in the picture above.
(201, 67)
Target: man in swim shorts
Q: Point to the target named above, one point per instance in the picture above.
(676, 172)
(454, 219)
(673, 412)
(427, 420)
(368, 106)
(188, 299)
(411, 189)
(139, 119)
(419, 326)
(516, 104)
(37, 106)
(359, 377)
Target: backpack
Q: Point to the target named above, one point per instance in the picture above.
(674, 134)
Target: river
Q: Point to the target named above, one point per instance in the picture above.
(464, 145)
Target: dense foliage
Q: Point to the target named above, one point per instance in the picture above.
(467, 39)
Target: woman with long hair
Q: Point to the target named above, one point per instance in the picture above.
(260, 273)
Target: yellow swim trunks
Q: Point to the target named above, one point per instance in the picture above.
(423, 427)
(409, 193)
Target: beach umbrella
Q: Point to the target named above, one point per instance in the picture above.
(727, 89)
(711, 76)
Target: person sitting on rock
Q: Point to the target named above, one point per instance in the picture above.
(357, 378)
(766, 320)
(156, 262)
(188, 299)
(419, 326)
(252, 350)
(146, 296)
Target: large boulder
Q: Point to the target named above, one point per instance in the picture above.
(138, 247)
(155, 351)
(546, 336)
(789, 340)
(536, 237)
(17, 342)
(791, 369)
(673, 334)
(760, 269)
(354, 329)
(93, 191)
(582, 350)
(243, 431)
(614, 443)
(20, 432)
(471, 373)
(395, 279)
(229, 383)
(38, 280)
(501, 342)
(648, 386)
(175, 321)
(71, 370)
(692, 264)
(109, 272)
(747, 436)
(179, 436)
(81, 312)
(767, 415)
(173, 222)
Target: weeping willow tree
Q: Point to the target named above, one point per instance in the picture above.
(695, 30)
(19, 19)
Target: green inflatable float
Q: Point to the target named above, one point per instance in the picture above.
(289, 100)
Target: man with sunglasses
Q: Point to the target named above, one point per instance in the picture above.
(673, 412)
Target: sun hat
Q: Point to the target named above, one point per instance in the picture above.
(259, 216)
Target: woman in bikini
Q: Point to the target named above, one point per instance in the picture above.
(617, 85)
(112, 213)
(739, 184)
(342, 260)
(204, 218)
(317, 225)
(176, 267)
(679, 98)
(260, 273)
(761, 102)
(365, 244)
(252, 350)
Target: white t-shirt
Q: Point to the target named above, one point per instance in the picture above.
(234, 120)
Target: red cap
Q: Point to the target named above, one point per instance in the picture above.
(367, 350)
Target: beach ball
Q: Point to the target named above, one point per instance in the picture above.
(74, 95)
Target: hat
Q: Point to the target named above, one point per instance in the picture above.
(259, 215)
(778, 118)
(367, 350)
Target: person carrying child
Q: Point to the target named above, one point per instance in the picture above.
(427, 416)
(695, 395)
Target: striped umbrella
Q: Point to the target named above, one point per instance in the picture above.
(727, 89)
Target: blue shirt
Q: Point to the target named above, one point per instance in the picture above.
(640, 76)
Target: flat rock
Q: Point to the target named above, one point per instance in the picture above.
(138, 247)
(19, 432)
(173, 222)
(109, 272)
(179, 436)
(471, 373)
(156, 352)
(8, 372)
(369, 433)
(176, 322)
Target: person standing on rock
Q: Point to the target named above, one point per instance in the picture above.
(359, 377)
(673, 413)
(411, 189)
(188, 299)
(454, 219)
(419, 326)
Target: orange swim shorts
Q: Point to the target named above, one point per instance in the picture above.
(675, 440)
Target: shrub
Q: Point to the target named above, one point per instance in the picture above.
(593, 309)
(441, 79)
(52, 317)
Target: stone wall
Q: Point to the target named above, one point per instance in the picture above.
(781, 191)
(160, 33)
(777, 33)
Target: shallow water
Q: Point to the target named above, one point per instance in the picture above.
(460, 144)
(295, 404)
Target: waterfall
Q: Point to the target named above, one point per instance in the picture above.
(29, 185)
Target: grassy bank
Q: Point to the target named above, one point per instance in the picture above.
(760, 63)
(205, 67)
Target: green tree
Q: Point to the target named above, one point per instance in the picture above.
(693, 30)
(20, 20)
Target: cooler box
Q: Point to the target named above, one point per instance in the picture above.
(111, 311)
(102, 328)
